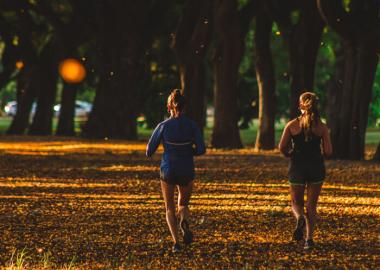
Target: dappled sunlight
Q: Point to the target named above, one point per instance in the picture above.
(67, 147)
(101, 200)
(121, 168)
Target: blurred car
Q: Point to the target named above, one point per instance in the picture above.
(11, 108)
(82, 108)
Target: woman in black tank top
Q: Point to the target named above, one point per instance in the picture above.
(305, 141)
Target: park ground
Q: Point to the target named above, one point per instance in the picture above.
(78, 204)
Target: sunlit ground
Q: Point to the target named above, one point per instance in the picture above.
(91, 204)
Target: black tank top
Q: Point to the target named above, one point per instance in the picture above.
(306, 149)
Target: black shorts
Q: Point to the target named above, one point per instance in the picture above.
(304, 171)
(177, 180)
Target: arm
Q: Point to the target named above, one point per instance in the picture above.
(327, 147)
(200, 147)
(284, 142)
(154, 140)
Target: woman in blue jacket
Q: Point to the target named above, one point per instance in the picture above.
(181, 139)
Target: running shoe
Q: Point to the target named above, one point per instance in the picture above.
(309, 244)
(187, 234)
(176, 248)
(298, 232)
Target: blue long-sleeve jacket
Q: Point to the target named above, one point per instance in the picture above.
(182, 140)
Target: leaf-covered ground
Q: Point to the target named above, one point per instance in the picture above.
(97, 205)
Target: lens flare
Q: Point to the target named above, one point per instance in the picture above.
(72, 71)
(19, 64)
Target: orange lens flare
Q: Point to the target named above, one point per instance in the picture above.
(19, 64)
(72, 71)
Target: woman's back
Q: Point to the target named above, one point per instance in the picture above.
(182, 140)
(178, 136)
(307, 147)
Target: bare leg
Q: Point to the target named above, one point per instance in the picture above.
(183, 200)
(297, 194)
(313, 191)
(168, 194)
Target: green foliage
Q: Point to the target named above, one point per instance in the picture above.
(325, 65)
(8, 93)
(247, 83)
(86, 93)
(160, 77)
(374, 107)
(281, 64)
(160, 72)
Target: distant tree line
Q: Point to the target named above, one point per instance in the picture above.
(136, 51)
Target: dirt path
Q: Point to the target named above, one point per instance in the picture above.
(98, 205)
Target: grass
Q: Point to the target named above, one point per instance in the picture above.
(248, 136)
(18, 260)
(6, 121)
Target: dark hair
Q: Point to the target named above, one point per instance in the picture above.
(176, 102)
(309, 104)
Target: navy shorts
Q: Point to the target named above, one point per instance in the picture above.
(176, 179)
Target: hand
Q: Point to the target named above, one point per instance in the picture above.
(289, 153)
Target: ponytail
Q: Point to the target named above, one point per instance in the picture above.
(176, 102)
(310, 116)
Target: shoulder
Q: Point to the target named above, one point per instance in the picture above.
(292, 127)
(323, 127)
(292, 123)
(165, 122)
(189, 121)
(160, 126)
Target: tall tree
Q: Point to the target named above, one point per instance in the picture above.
(40, 61)
(10, 54)
(190, 44)
(334, 89)
(376, 157)
(302, 39)
(73, 33)
(231, 27)
(266, 81)
(123, 38)
(47, 77)
(358, 24)
(27, 89)
(19, 47)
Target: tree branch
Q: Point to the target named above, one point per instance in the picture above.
(336, 17)
(247, 13)
(186, 23)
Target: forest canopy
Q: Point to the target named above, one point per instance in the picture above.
(236, 60)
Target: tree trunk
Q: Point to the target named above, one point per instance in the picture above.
(360, 63)
(42, 120)
(190, 45)
(334, 95)
(376, 157)
(266, 82)
(366, 60)
(231, 27)
(27, 88)
(302, 40)
(303, 49)
(67, 111)
(8, 65)
(349, 125)
(122, 46)
(66, 125)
